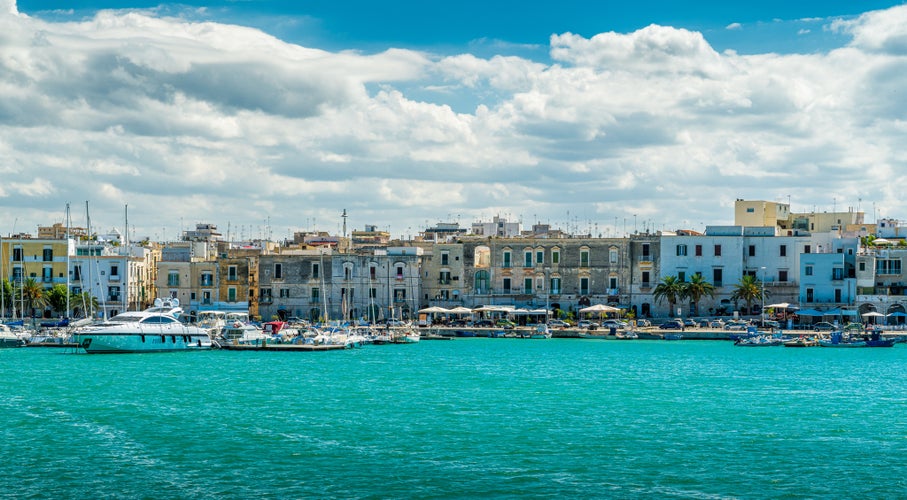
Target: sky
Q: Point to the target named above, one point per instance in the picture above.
(271, 117)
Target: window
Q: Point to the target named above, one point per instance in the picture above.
(862, 266)
(888, 266)
(539, 256)
(231, 294)
(316, 270)
(399, 271)
(284, 293)
(584, 258)
(445, 258)
(555, 286)
(752, 251)
(373, 293)
(207, 279)
(717, 277)
(806, 249)
(681, 276)
(527, 258)
(808, 271)
(584, 286)
(17, 254)
(506, 285)
(555, 256)
(506, 257)
(231, 273)
(48, 255)
(265, 295)
(47, 274)
(782, 250)
(681, 250)
(612, 256)
(698, 250)
(837, 273)
(717, 250)
(173, 278)
(750, 210)
(114, 270)
(527, 285)
(646, 279)
(782, 275)
(77, 273)
(347, 272)
(837, 295)
(278, 271)
(612, 283)
(444, 278)
(399, 294)
(645, 249)
(372, 272)
(206, 297)
(316, 294)
(810, 295)
(113, 293)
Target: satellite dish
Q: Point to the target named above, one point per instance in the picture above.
(158, 302)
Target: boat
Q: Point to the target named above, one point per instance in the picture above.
(840, 339)
(763, 340)
(8, 338)
(628, 335)
(240, 333)
(541, 332)
(876, 340)
(673, 336)
(156, 329)
(213, 321)
(801, 342)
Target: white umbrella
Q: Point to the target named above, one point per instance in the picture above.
(461, 310)
(872, 314)
(599, 308)
(881, 241)
(434, 309)
(780, 305)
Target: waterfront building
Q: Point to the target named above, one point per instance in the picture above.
(560, 274)
(645, 266)
(120, 277)
(779, 215)
(442, 276)
(881, 280)
(385, 283)
(295, 283)
(41, 260)
(498, 227)
(237, 279)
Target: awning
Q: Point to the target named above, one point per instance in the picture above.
(809, 312)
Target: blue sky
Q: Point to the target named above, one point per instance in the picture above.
(580, 114)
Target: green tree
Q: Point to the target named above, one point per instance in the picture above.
(696, 289)
(56, 299)
(749, 290)
(6, 289)
(32, 294)
(84, 303)
(670, 289)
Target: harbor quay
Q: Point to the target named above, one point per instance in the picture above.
(801, 269)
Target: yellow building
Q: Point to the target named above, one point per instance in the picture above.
(42, 260)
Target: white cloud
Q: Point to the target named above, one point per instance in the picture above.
(734, 26)
(209, 122)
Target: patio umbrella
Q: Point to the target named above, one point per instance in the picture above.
(872, 314)
(780, 305)
(599, 308)
(433, 309)
(461, 310)
(897, 314)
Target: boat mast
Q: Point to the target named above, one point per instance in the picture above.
(68, 267)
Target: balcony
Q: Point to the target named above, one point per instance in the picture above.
(113, 277)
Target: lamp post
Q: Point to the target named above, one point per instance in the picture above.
(762, 311)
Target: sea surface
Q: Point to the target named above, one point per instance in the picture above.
(466, 418)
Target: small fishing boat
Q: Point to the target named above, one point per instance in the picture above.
(801, 342)
(840, 339)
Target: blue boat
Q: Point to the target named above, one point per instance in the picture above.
(876, 340)
(673, 336)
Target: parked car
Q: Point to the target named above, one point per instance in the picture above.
(483, 323)
(557, 323)
(823, 326)
(736, 325)
(587, 325)
(504, 323)
(643, 322)
(716, 323)
(689, 322)
(613, 323)
(671, 325)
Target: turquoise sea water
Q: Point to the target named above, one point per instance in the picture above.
(464, 418)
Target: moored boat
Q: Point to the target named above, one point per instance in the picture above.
(8, 338)
(840, 339)
(801, 342)
(156, 329)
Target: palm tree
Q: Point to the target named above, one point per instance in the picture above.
(85, 302)
(32, 294)
(6, 289)
(670, 289)
(748, 289)
(696, 289)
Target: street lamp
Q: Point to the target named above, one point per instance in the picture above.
(762, 311)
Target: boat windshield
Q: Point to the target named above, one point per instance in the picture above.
(126, 318)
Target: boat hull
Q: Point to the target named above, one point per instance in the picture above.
(114, 343)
